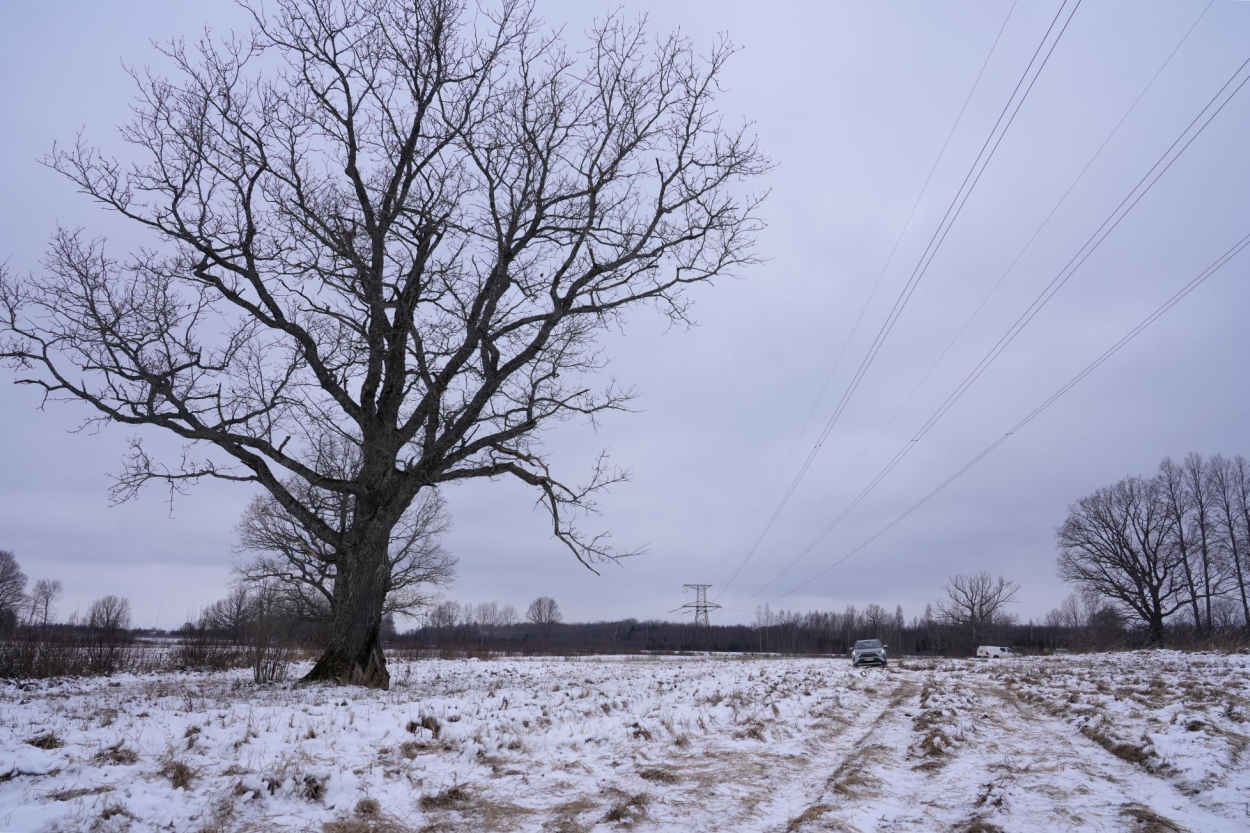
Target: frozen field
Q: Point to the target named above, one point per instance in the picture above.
(1147, 741)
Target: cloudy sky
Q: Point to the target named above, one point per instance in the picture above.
(854, 102)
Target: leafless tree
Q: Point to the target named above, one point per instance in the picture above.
(874, 619)
(43, 599)
(109, 613)
(850, 624)
(1118, 543)
(108, 633)
(445, 614)
(976, 605)
(231, 615)
(545, 613)
(12, 588)
(302, 568)
(508, 616)
(1176, 490)
(1230, 487)
(398, 224)
(488, 618)
(1201, 499)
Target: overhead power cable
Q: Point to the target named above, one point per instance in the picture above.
(971, 178)
(968, 322)
(1143, 186)
(1176, 298)
(867, 301)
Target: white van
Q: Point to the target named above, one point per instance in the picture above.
(994, 652)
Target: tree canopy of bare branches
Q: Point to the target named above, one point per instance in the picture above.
(302, 568)
(43, 599)
(395, 225)
(1175, 545)
(976, 605)
(1118, 543)
(12, 588)
(544, 612)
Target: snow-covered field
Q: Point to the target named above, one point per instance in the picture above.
(1148, 741)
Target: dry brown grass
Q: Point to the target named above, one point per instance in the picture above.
(48, 740)
(427, 721)
(852, 777)
(1148, 821)
(751, 731)
(368, 808)
(411, 748)
(658, 775)
(70, 795)
(566, 817)
(1133, 753)
(448, 799)
(811, 814)
(356, 825)
(116, 754)
(628, 809)
(179, 774)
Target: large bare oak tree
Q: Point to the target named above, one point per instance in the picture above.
(1119, 543)
(396, 224)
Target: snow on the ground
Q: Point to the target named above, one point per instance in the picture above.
(1147, 740)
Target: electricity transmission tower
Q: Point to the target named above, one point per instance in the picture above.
(700, 605)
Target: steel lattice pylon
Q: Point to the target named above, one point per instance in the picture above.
(700, 605)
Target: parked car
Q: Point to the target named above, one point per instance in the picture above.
(995, 652)
(868, 652)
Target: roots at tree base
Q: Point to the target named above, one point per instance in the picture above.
(364, 668)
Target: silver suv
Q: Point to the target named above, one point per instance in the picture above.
(868, 652)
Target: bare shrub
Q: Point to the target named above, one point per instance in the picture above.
(203, 648)
(269, 650)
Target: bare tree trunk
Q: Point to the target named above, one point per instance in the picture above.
(353, 652)
(1230, 484)
(1200, 497)
(1172, 478)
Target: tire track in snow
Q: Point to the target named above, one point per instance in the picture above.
(1008, 766)
(799, 788)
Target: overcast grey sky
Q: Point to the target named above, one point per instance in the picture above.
(853, 101)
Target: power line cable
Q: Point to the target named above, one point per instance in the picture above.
(1232, 252)
(1042, 299)
(968, 322)
(939, 236)
(868, 301)
(1113, 220)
